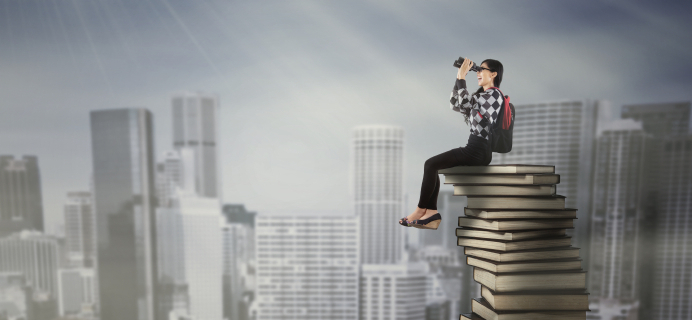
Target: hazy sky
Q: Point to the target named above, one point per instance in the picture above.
(294, 77)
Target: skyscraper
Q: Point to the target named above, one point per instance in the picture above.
(35, 255)
(124, 200)
(562, 134)
(80, 228)
(202, 255)
(665, 289)
(21, 205)
(307, 267)
(238, 255)
(616, 220)
(377, 173)
(672, 279)
(194, 126)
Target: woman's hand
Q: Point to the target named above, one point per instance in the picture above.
(464, 69)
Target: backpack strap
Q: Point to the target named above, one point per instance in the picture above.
(507, 119)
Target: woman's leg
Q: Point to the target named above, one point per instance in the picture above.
(430, 187)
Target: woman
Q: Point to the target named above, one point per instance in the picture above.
(480, 110)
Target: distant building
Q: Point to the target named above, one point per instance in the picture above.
(236, 213)
(124, 201)
(377, 173)
(21, 204)
(672, 280)
(194, 127)
(169, 176)
(307, 267)
(661, 119)
(190, 257)
(36, 256)
(78, 295)
(80, 230)
(393, 291)
(560, 133)
(15, 296)
(616, 220)
(238, 269)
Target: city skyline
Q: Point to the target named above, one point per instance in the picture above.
(143, 131)
(292, 90)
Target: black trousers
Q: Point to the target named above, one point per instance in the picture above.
(477, 152)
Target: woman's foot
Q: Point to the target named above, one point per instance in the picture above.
(428, 213)
(417, 214)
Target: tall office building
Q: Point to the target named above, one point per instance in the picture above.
(80, 229)
(616, 220)
(377, 173)
(124, 200)
(307, 267)
(393, 292)
(202, 255)
(665, 291)
(21, 205)
(562, 134)
(672, 276)
(194, 126)
(238, 256)
(35, 255)
(190, 257)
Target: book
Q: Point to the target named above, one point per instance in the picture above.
(495, 169)
(524, 266)
(471, 316)
(530, 281)
(524, 255)
(523, 224)
(502, 245)
(509, 235)
(521, 214)
(537, 300)
(507, 202)
(503, 179)
(480, 190)
(483, 309)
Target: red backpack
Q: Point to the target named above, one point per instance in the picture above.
(501, 131)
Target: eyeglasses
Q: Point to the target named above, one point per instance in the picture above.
(480, 69)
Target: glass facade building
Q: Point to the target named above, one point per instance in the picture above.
(124, 199)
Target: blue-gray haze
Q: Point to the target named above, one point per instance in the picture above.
(294, 77)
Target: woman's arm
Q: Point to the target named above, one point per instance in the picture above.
(460, 100)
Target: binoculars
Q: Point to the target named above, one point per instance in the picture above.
(458, 62)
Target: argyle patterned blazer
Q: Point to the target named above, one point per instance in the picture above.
(481, 109)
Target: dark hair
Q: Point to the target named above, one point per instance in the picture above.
(494, 66)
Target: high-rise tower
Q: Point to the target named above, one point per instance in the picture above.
(377, 170)
(21, 207)
(80, 238)
(124, 194)
(616, 220)
(194, 126)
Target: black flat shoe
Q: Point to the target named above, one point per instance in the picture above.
(404, 222)
(430, 223)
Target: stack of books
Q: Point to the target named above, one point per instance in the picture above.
(514, 235)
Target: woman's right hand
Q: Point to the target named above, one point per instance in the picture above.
(464, 69)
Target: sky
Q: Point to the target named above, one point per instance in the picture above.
(295, 77)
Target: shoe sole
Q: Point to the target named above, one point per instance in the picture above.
(432, 225)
